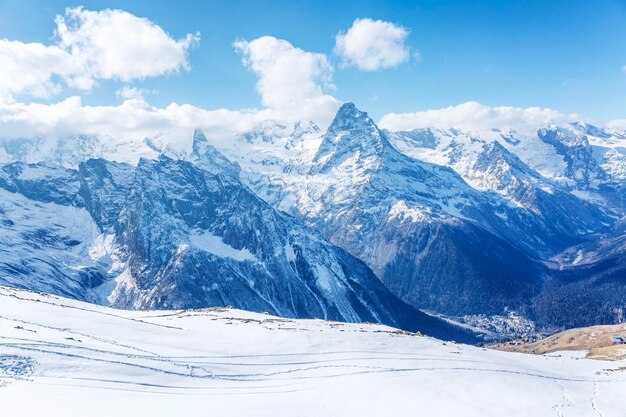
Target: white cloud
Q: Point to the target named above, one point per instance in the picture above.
(617, 124)
(114, 44)
(474, 116)
(128, 93)
(373, 44)
(291, 83)
(624, 68)
(30, 67)
(291, 80)
(134, 119)
(91, 46)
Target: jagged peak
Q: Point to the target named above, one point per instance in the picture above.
(198, 136)
(347, 108)
(495, 146)
(351, 131)
(207, 157)
(200, 143)
(495, 153)
(349, 115)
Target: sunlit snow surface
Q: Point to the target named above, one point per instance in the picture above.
(66, 358)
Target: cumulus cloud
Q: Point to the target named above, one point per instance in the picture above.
(134, 119)
(30, 67)
(291, 83)
(474, 116)
(373, 44)
(290, 80)
(112, 44)
(89, 46)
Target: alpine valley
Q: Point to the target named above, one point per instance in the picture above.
(462, 235)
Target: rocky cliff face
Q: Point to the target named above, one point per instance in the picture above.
(416, 224)
(46, 232)
(172, 234)
(479, 236)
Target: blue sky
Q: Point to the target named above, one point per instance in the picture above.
(566, 55)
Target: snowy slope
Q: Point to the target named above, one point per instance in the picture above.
(66, 358)
(46, 247)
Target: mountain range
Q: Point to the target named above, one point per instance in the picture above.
(171, 234)
(356, 223)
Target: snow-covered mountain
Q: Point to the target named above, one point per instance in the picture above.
(47, 237)
(588, 161)
(61, 357)
(70, 150)
(452, 221)
(172, 234)
(409, 220)
(465, 239)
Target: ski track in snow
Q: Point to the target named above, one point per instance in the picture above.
(133, 360)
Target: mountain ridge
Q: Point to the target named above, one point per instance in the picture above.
(449, 220)
(169, 234)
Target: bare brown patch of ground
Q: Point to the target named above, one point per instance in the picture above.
(596, 340)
